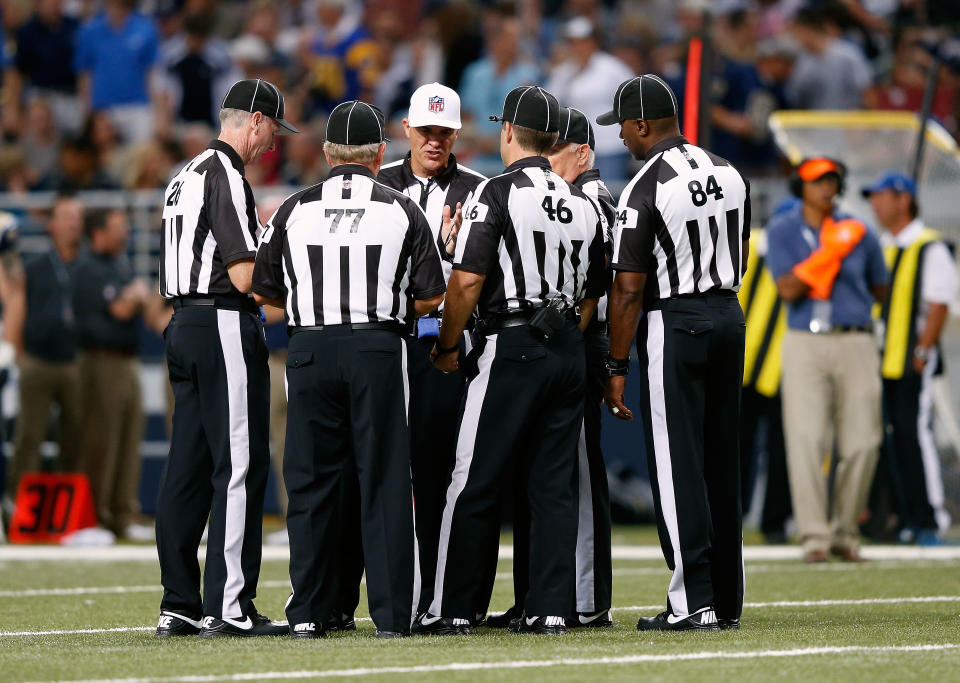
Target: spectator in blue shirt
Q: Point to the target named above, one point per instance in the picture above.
(116, 52)
(487, 81)
(44, 63)
(829, 269)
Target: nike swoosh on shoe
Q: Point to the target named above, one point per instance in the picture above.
(196, 623)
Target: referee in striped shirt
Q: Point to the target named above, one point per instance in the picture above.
(351, 262)
(530, 251)
(679, 254)
(217, 360)
(572, 158)
(431, 176)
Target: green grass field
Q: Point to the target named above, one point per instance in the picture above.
(886, 620)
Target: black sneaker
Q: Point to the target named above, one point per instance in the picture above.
(502, 620)
(345, 622)
(729, 624)
(248, 627)
(599, 619)
(551, 626)
(390, 634)
(307, 629)
(702, 620)
(427, 624)
(173, 624)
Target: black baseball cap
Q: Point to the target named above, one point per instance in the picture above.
(256, 94)
(575, 127)
(533, 107)
(641, 97)
(356, 123)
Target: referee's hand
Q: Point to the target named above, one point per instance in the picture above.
(450, 227)
(613, 397)
(445, 362)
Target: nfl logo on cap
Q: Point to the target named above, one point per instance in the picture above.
(434, 104)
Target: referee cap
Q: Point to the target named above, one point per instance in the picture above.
(256, 94)
(356, 123)
(533, 107)
(434, 105)
(641, 97)
(575, 127)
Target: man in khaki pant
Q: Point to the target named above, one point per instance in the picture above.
(829, 268)
(109, 301)
(44, 332)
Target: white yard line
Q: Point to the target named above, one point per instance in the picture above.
(78, 631)
(631, 608)
(148, 553)
(537, 664)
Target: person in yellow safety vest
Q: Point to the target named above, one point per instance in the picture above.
(760, 404)
(924, 283)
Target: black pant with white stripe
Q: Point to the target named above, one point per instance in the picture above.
(692, 350)
(523, 410)
(918, 481)
(348, 397)
(594, 567)
(218, 462)
(435, 402)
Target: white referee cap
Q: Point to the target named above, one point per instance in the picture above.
(434, 105)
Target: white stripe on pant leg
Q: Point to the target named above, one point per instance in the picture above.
(413, 509)
(677, 592)
(930, 458)
(228, 323)
(466, 442)
(585, 534)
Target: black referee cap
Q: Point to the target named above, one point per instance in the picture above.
(256, 94)
(641, 97)
(575, 127)
(356, 123)
(531, 107)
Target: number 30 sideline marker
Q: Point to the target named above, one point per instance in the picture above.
(50, 506)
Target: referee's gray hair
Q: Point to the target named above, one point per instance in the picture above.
(591, 159)
(352, 154)
(233, 118)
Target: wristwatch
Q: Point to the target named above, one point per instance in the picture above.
(616, 367)
(921, 353)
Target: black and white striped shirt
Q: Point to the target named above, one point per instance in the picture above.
(535, 236)
(683, 219)
(209, 221)
(348, 250)
(589, 181)
(453, 185)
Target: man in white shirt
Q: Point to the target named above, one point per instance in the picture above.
(924, 284)
(586, 81)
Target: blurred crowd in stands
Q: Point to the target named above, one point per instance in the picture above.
(115, 94)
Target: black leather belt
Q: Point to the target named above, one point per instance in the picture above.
(500, 321)
(385, 325)
(229, 303)
(710, 294)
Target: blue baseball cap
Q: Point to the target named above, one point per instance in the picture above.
(891, 180)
